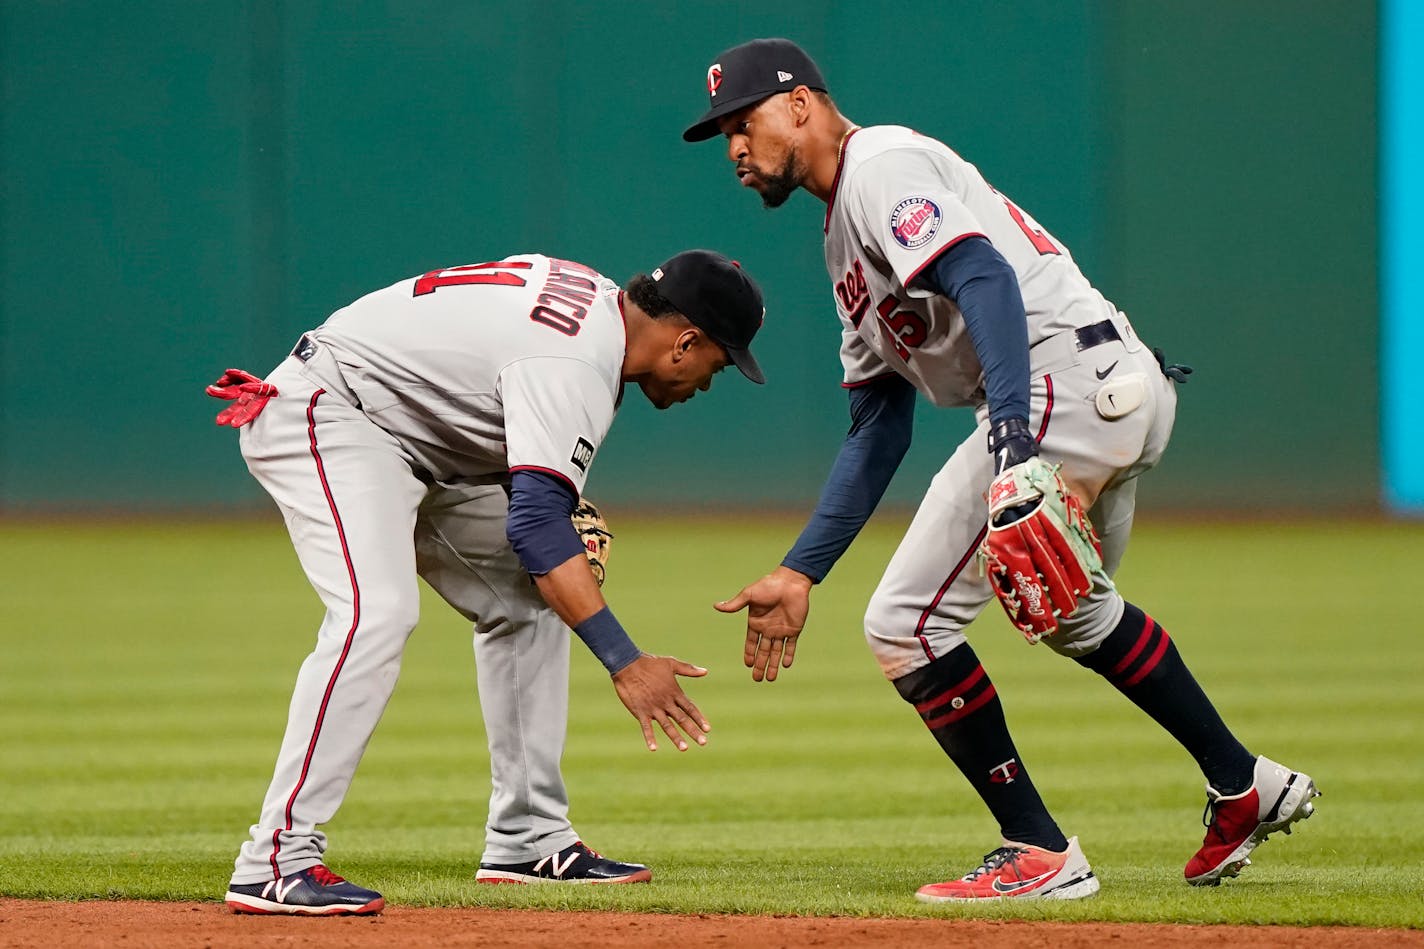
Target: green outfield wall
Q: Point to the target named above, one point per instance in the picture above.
(186, 186)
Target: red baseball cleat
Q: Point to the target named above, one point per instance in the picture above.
(1235, 825)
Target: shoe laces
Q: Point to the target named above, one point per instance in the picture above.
(591, 852)
(324, 877)
(996, 860)
(1211, 817)
(1209, 814)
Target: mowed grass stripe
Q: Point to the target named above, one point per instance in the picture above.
(147, 669)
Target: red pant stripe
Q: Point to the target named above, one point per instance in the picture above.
(1047, 409)
(974, 547)
(350, 634)
(944, 587)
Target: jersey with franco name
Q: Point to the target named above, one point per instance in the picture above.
(900, 199)
(485, 369)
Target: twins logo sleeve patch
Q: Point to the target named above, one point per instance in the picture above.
(915, 221)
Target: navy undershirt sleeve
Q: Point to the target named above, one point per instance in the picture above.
(984, 286)
(538, 526)
(882, 424)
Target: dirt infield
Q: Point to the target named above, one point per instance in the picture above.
(210, 925)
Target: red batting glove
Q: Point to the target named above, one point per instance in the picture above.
(247, 393)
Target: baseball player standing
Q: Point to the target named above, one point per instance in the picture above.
(946, 288)
(444, 427)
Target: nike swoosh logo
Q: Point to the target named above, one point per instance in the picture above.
(1104, 373)
(1002, 887)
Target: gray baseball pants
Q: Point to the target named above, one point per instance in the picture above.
(364, 526)
(932, 588)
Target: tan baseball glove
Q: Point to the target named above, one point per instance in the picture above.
(596, 537)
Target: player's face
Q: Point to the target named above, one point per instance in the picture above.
(761, 141)
(685, 370)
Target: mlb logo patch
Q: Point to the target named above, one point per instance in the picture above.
(915, 221)
(583, 454)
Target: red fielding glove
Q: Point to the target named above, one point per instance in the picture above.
(1035, 575)
(247, 393)
(1040, 553)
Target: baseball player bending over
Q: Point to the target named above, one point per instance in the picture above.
(948, 289)
(443, 427)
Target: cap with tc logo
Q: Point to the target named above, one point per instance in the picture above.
(746, 74)
(719, 298)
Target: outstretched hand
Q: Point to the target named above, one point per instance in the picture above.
(776, 606)
(649, 690)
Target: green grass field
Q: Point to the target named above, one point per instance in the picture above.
(146, 668)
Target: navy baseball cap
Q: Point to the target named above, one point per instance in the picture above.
(746, 74)
(719, 298)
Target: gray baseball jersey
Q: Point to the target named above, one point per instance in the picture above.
(393, 423)
(899, 201)
(487, 368)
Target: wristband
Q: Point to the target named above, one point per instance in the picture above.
(606, 639)
(1011, 444)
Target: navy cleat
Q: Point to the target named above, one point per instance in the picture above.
(315, 891)
(574, 864)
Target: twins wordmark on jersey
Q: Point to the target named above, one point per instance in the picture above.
(904, 329)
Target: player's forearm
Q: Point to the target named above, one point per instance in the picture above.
(572, 592)
(543, 537)
(883, 427)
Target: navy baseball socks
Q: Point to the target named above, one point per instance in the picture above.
(1248, 798)
(1142, 663)
(958, 703)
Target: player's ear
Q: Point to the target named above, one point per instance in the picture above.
(800, 104)
(685, 341)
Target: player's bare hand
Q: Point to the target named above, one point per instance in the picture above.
(776, 606)
(649, 689)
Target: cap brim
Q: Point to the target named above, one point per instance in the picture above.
(746, 362)
(706, 127)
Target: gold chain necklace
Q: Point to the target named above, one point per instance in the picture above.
(840, 149)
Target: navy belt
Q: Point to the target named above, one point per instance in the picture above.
(1089, 336)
